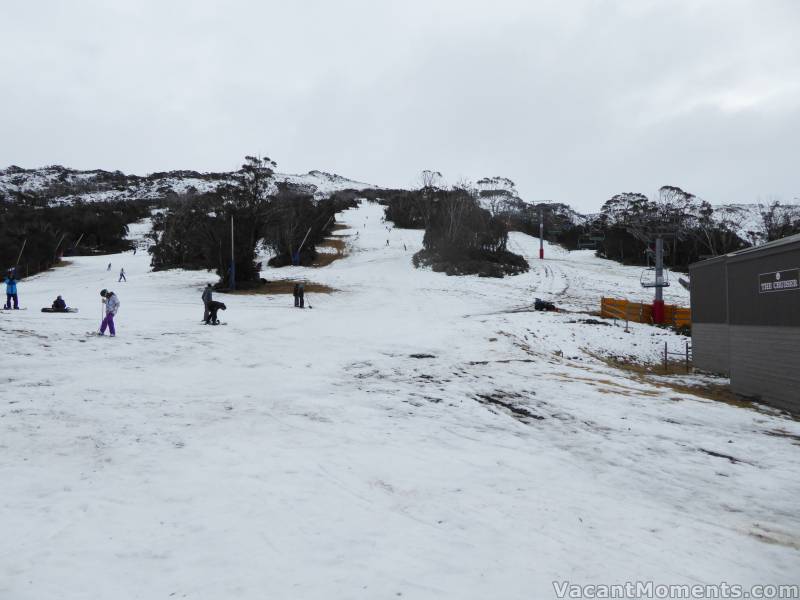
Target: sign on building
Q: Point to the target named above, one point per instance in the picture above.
(779, 281)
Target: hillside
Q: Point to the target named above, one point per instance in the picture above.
(412, 435)
(64, 185)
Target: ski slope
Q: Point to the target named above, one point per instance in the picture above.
(413, 435)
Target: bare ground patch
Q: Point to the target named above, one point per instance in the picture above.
(339, 247)
(653, 375)
(283, 286)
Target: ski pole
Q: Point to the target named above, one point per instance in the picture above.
(20, 254)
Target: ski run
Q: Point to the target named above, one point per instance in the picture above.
(415, 435)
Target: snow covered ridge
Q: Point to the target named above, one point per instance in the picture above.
(60, 184)
(499, 195)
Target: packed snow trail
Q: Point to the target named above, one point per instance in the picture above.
(411, 435)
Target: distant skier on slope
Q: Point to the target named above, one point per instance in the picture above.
(11, 290)
(111, 304)
(122, 276)
(109, 267)
(207, 299)
(299, 292)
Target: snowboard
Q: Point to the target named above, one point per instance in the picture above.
(11, 309)
(52, 310)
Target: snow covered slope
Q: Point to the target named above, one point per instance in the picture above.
(61, 184)
(413, 435)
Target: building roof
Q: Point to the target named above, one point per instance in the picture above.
(775, 245)
(786, 241)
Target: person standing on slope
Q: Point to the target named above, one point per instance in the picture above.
(208, 298)
(121, 276)
(111, 304)
(11, 290)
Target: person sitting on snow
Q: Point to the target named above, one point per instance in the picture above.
(59, 305)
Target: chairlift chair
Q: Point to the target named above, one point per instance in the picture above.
(648, 278)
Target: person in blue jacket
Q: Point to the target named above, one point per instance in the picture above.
(11, 290)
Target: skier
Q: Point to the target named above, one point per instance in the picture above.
(207, 299)
(109, 267)
(134, 250)
(122, 276)
(301, 289)
(213, 307)
(111, 303)
(59, 305)
(11, 290)
(296, 295)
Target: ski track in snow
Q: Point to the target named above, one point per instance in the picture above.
(308, 454)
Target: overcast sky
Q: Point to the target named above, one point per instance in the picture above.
(573, 100)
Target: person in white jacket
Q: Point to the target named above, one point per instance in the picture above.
(111, 304)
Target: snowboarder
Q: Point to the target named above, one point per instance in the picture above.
(207, 299)
(122, 276)
(213, 307)
(111, 304)
(59, 305)
(11, 290)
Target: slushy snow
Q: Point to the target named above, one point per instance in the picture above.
(413, 435)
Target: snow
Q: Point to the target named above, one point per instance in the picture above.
(307, 454)
(156, 186)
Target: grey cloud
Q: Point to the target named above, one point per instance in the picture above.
(574, 101)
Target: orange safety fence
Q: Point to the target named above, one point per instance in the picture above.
(616, 308)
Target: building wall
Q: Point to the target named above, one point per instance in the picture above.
(711, 347)
(745, 332)
(710, 335)
(765, 364)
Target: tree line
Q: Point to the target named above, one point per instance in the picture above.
(195, 230)
(36, 235)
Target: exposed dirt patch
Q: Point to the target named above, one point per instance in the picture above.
(732, 459)
(504, 400)
(338, 244)
(283, 286)
(653, 375)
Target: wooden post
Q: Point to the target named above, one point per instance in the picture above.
(687, 357)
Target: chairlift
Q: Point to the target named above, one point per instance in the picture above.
(648, 278)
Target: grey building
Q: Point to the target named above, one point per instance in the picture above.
(746, 320)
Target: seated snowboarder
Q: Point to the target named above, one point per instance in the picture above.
(213, 307)
(59, 305)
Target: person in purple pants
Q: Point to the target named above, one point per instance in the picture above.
(111, 304)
